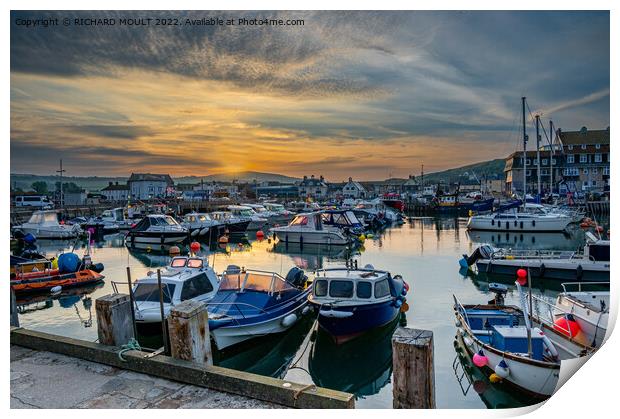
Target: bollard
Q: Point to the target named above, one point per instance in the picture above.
(413, 366)
(188, 329)
(14, 316)
(114, 326)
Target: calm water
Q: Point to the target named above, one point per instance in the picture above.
(425, 251)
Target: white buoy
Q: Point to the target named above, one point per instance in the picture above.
(289, 320)
(56, 289)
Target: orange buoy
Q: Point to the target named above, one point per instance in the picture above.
(567, 325)
(260, 235)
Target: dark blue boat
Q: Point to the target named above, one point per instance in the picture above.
(252, 303)
(353, 301)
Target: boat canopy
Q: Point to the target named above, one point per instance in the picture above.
(258, 281)
(44, 217)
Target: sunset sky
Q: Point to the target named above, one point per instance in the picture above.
(362, 94)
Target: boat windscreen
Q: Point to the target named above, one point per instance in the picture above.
(232, 281)
(150, 292)
(382, 288)
(300, 220)
(341, 289)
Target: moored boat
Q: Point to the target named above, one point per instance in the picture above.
(156, 230)
(308, 228)
(45, 225)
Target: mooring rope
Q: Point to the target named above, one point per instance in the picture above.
(131, 345)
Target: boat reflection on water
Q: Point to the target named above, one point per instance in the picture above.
(361, 366)
(67, 299)
(572, 240)
(151, 259)
(313, 256)
(472, 379)
(269, 355)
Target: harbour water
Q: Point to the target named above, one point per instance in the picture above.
(425, 251)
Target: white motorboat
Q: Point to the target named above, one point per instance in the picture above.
(586, 303)
(232, 223)
(502, 340)
(202, 226)
(186, 278)
(45, 225)
(377, 208)
(117, 216)
(156, 230)
(246, 213)
(593, 264)
(308, 228)
(536, 219)
(281, 214)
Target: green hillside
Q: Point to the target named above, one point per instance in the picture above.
(492, 169)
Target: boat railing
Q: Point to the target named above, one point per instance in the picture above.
(534, 254)
(546, 313)
(578, 286)
(459, 307)
(236, 305)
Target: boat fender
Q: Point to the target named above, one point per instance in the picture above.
(306, 310)
(398, 303)
(549, 347)
(541, 269)
(480, 359)
(533, 223)
(195, 233)
(579, 272)
(97, 267)
(502, 369)
(457, 323)
(289, 320)
(56, 290)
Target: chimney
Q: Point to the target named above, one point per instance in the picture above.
(350, 179)
(117, 185)
(305, 177)
(322, 178)
(109, 183)
(311, 176)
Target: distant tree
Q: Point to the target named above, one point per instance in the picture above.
(40, 187)
(68, 187)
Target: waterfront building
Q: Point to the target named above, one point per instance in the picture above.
(148, 186)
(353, 189)
(311, 187)
(115, 192)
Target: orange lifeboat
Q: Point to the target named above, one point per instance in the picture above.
(44, 281)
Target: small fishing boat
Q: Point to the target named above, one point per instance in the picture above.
(45, 225)
(394, 200)
(586, 303)
(353, 301)
(536, 220)
(308, 228)
(117, 216)
(591, 265)
(245, 213)
(234, 224)
(520, 349)
(156, 230)
(71, 272)
(251, 303)
(202, 226)
(186, 278)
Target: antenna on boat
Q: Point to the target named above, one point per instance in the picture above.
(524, 152)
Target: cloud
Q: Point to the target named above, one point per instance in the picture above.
(592, 97)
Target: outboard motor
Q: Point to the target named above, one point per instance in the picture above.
(483, 252)
(296, 277)
(499, 290)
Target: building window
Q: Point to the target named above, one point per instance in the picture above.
(528, 173)
(583, 158)
(570, 158)
(598, 146)
(535, 162)
(553, 161)
(570, 146)
(585, 171)
(598, 158)
(593, 184)
(583, 146)
(527, 162)
(544, 162)
(606, 170)
(594, 171)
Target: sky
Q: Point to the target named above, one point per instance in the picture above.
(369, 95)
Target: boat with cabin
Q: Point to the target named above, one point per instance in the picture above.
(202, 226)
(534, 220)
(45, 225)
(233, 224)
(156, 230)
(308, 228)
(522, 350)
(243, 212)
(351, 301)
(185, 278)
(252, 303)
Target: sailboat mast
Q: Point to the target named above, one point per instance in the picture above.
(551, 153)
(538, 152)
(524, 152)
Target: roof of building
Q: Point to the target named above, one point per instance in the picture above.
(150, 177)
(356, 184)
(585, 136)
(312, 181)
(115, 188)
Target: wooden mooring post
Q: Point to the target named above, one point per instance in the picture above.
(14, 315)
(188, 329)
(114, 314)
(413, 369)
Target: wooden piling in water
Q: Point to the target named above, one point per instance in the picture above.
(413, 369)
(188, 329)
(114, 325)
(14, 315)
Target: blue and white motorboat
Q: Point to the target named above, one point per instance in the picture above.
(251, 303)
(522, 350)
(156, 230)
(353, 301)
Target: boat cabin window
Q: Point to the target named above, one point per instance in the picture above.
(258, 282)
(196, 286)
(382, 288)
(190, 218)
(341, 289)
(170, 221)
(144, 224)
(364, 289)
(150, 292)
(195, 263)
(178, 262)
(300, 220)
(320, 288)
(203, 217)
(232, 281)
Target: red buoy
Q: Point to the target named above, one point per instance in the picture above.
(260, 235)
(567, 325)
(521, 276)
(194, 247)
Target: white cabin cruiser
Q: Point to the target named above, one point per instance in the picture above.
(201, 225)
(117, 216)
(308, 228)
(246, 213)
(280, 213)
(377, 208)
(186, 278)
(535, 219)
(45, 225)
(156, 229)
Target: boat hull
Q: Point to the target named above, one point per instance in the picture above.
(511, 224)
(33, 284)
(311, 237)
(154, 238)
(549, 269)
(50, 234)
(347, 322)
